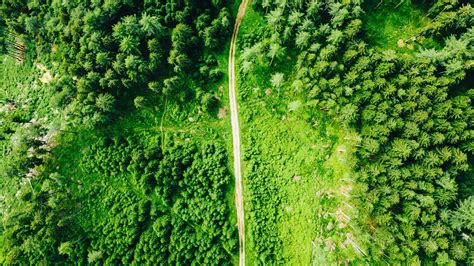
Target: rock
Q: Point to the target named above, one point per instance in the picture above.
(46, 78)
(341, 149)
(329, 226)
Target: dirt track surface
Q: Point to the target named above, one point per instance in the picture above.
(239, 200)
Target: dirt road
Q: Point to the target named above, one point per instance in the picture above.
(239, 200)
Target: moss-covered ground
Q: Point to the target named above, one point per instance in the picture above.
(393, 24)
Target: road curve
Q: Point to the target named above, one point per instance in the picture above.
(239, 200)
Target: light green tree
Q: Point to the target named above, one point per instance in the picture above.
(94, 256)
(105, 102)
(275, 51)
(277, 81)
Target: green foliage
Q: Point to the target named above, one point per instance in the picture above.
(362, 155)
(461, 217)
(124, 200)
(187, 208)
(173, 210)
(115, 48)
(291, 168)
(411, 111)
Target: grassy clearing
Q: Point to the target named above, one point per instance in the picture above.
(290, 156)
(387, 23)
(304, 168)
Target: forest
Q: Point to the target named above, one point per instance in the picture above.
(89, 173)
(405, 108)
(356, 126)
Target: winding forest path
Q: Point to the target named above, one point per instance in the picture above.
(239, 200)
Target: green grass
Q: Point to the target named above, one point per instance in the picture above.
(386, 24)
(293, 148)
(298, 151)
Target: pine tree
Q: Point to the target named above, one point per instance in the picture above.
(277, 81)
